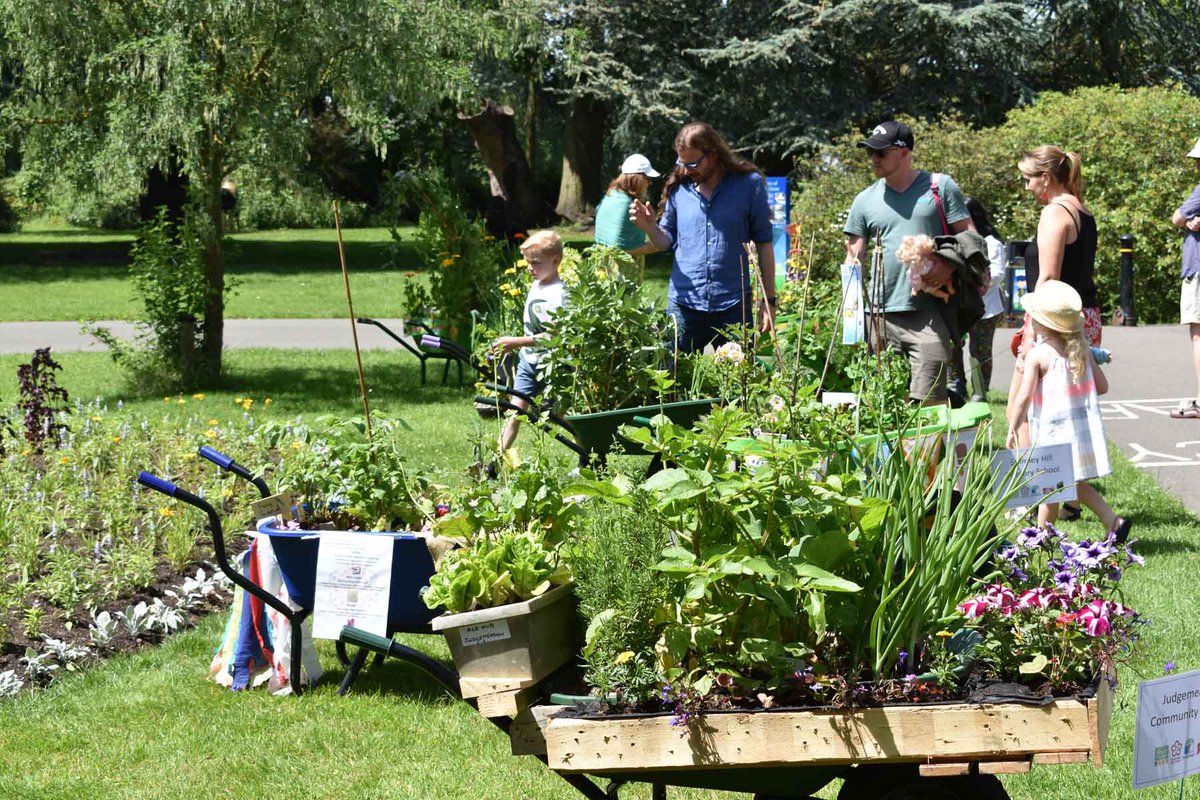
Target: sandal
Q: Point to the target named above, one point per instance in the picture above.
(1069, 513)
(1189, 410)
(1121, 530)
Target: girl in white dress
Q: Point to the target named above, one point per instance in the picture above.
(1059, 395)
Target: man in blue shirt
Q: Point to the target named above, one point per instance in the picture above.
(1187, 217)
(712, 205)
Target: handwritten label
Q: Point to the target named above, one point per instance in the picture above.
(277, 505)
(485, 632)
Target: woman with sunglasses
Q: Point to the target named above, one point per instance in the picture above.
(713, 204)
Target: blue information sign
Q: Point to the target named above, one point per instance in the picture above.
(781, 211)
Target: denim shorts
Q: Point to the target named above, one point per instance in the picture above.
(527, 381)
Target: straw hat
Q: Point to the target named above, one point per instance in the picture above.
(1057, 306)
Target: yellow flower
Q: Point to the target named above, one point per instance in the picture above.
(198, 396)
(166, 512)
(447, 262)
(247, 403)
(515, 292)
(116, 440)
(210, 433)
(505, 287)
(487, 237)
(522, 262)
(296, 445)
(97, 418)
(237, 400)
(189, 456)
(227, 492)
(267, 401)
(943, 634)
(181, 401)
(510, 271)
(65, 460)
(212, 423)
(623, 657)
(166, 399)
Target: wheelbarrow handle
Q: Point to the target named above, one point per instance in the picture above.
(296, 617)
(500, 389)
(507, 406)
(228, 464)
(640, 421)
(435, 342)
(163, 486)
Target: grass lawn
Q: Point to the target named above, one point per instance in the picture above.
(53, 272)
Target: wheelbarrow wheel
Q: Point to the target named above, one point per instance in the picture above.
(904, 782)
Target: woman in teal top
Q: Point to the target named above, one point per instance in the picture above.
(612, 216)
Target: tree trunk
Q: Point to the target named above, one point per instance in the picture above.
(495, 135)
(213, 340)
(583, 155)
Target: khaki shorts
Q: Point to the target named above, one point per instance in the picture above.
(923, 337)
(1189, 301)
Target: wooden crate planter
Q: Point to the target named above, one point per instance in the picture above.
(511, 647)
(946, 738)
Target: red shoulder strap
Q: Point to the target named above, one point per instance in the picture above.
(937, 198)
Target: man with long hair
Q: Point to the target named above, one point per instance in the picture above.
(713, 204)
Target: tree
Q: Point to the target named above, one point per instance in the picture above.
(107, 90)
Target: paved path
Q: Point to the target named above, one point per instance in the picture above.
(305, 334)
(1151, 372)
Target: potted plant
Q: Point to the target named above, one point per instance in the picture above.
(510, 613)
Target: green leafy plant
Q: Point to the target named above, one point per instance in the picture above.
(759, 547)
(463, 262)
(607, 337)
(167, 270)
(340, 474)
(508, 568)
(620, 596)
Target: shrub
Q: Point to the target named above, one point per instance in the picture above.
(1131, 141)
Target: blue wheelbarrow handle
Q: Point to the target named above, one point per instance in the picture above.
(296, 617)
(226, 463)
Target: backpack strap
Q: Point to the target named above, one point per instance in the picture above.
(937, 198)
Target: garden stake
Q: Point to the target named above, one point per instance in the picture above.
(876, 295)
(812, 243)
(362, 381)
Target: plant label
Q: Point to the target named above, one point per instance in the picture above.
(839, 399)
(485, 632)
(1168, 729)
(354, 583)
(1043, 474)
(277, 505)
(854, 325)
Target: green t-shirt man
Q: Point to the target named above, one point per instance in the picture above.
(879, 208)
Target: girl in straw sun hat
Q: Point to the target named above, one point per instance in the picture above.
(1059, 395)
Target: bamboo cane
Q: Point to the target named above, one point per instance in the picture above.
(362, 381)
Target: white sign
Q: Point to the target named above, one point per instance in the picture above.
(854, 326)
(1043, 474)
(1168, 729)
(485, 632)
(354, 583)
(839, 399)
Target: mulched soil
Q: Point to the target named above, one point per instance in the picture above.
(72, 627)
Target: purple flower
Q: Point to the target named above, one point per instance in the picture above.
(1032, 537)
(1169, 667)
(1010, 553)
(1133, 558)
(903, 657)
(1065, 578)
(1017, 574)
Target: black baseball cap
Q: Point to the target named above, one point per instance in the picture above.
(889, 134)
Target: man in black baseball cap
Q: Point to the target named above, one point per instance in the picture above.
(889, 134)
(906, 201)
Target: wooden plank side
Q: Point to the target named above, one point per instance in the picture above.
(526, 730)
(1100, 710)
(477, 687)
(1012, 767)
(966, 732)
(1074, 757)
(505, 704)
(944, 770)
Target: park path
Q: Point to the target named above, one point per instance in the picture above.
(1150, 373)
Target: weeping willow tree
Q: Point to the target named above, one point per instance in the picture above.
(106, 90)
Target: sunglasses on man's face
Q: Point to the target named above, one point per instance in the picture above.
(879, 153)
(691, 164)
